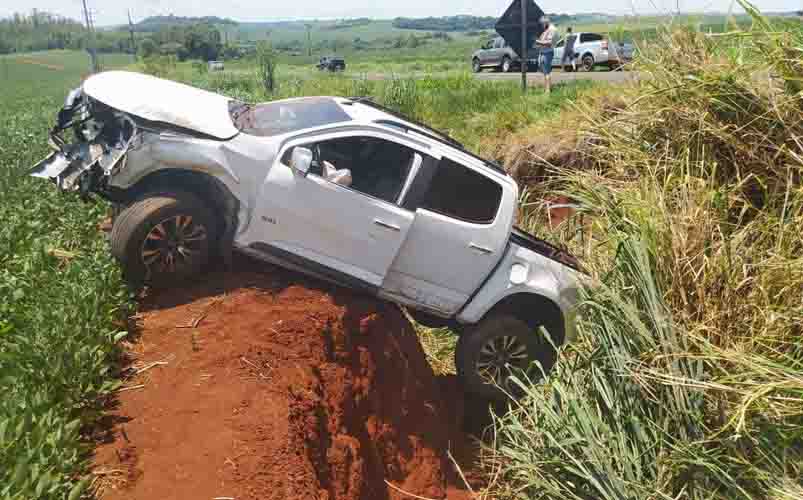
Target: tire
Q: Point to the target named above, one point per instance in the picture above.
(476, 67)
(506, 65)
(162, 239)
(476, 343)
(568, 68)
(588, 62)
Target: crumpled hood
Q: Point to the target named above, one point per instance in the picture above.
(159, 100)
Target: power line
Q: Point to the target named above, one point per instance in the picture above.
(131, 31)
(91, 30)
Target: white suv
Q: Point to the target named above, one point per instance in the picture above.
(338, 188)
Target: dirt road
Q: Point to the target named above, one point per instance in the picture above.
(561, 77)
(533, 78)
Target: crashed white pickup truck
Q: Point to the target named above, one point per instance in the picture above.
(338, 188)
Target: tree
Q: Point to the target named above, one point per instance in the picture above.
(266, 62)
(147, 47)
(202, 41)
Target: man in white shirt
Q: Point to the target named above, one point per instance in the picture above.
(545, 44)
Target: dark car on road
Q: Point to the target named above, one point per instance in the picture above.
(332, 63)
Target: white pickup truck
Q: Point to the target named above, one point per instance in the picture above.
(338, 188)
(592, 50)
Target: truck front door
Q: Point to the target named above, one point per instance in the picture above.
(463, 217)
(341, 220)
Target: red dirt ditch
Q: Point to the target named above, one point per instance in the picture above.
(256, 384)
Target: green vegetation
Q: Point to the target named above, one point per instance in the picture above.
(687, 379)
(450, 23)
(43, 31)
(157, 23)
(62, 305)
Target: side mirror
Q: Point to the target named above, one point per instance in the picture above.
(301, 159)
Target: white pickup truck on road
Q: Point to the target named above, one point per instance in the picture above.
(339, 188)
(592, 50)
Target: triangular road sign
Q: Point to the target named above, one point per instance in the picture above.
(509, 25)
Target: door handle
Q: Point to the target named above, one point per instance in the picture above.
(387, 225)
(481, 248)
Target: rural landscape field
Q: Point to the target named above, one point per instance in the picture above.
(685, 381)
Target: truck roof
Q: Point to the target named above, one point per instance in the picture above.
(382, 115)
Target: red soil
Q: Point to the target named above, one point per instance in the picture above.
(273, 390)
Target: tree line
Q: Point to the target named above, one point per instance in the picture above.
(462, 23)
(44, 31)
(448, 23)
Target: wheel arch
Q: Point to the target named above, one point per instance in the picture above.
(532, 308)
(206, 187)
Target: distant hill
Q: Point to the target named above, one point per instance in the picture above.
(155, 23)
(448, 23)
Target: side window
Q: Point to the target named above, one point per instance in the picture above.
(459, 192)
(590, 37)
(375, 167)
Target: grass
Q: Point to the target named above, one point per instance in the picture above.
(470, 110)
(687, 379)
(61, 299)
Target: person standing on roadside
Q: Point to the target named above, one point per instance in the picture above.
(568, 50)
(545, 43)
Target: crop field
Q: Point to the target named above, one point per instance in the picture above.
(62, 305)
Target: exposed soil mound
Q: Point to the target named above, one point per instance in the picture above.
(277, 391)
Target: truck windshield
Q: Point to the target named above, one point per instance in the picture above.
(281, 117)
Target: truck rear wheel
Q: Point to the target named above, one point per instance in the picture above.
(163, 239)
(588, 62)
(499, 346)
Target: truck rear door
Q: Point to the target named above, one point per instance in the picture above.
(463, 216)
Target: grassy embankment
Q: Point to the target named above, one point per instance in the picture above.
(687, 379)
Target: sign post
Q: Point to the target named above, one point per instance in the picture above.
(525, 63)
(520, 26)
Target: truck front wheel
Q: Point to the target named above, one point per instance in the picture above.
(507, 64)
(163, 239)
(496, 348)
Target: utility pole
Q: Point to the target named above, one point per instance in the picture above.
(524, 61)
(91, 30)
(131, 32)
(309, 39)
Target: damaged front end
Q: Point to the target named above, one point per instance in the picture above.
(90, 141)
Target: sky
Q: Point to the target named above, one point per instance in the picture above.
(110, 12)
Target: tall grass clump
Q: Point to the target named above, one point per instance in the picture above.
(687, 377)
(266, 67)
